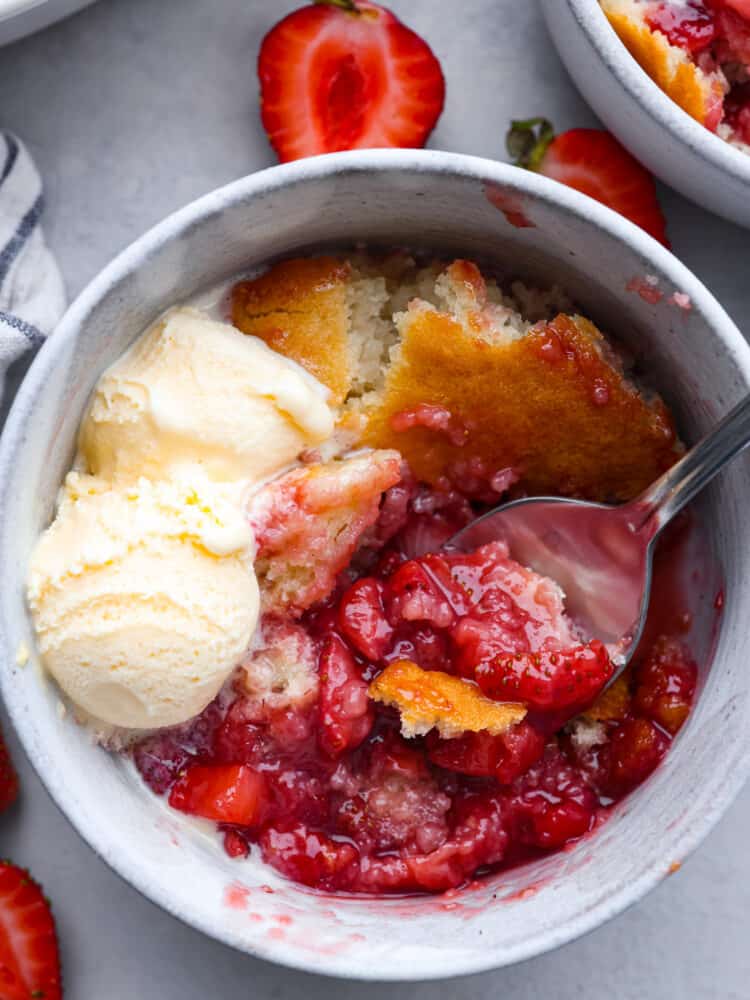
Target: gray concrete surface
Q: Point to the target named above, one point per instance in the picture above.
(134, 107)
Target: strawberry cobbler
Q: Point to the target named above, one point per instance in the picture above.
(698, 51)
(401, 717)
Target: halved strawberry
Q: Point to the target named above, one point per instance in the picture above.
(29, 956)
(346, 74)
(227, 793)
(593, 162)
(8, 777)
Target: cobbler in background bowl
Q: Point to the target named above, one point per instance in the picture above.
(670, 79)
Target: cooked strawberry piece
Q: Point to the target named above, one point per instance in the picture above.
(636, 747)
(593, 162)
(227, 793)
(361, 618)
(509, 608)
(346, 715)
(302, 793)
(737, 108)
(479, 838)
(413, 595)
(475, 754)
(559, 680)
(552, 803)
(591, 756)
(307, 856)
(422, 644)
(346, 74)
(8, 777)
(394, 509)
(733, 35)
(235, 844)
(479, 641)
(503, 757)
(665, 684)
(434, 517)
(240, 737)
(29, 955)
(690, 26)
(160, 757)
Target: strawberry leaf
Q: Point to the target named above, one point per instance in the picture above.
(527, 141)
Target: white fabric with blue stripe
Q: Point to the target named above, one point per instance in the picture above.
(32, 297)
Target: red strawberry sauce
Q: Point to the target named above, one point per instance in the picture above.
(332, 795)
(690, 25)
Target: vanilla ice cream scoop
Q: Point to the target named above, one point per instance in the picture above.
(195, 392)
(143, 597)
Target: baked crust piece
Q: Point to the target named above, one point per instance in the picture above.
(309, 522)
(613, 703)
(299, 308)
(549, 405)
(431, 699)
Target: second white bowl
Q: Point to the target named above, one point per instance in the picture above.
(677, 149)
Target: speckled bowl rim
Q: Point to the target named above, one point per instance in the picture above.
(12, 8)
(424, 162)
(624, 67)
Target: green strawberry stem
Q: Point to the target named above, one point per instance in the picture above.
(349, 5)
(527, 141)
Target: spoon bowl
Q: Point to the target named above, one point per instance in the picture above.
(602, 555)
(593, 551)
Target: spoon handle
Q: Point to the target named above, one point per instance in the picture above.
(658, 504)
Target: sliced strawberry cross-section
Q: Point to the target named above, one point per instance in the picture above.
(29, 956)
(346, 74)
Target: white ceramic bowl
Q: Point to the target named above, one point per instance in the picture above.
(448, 202)
(19, 18)
(657, 131)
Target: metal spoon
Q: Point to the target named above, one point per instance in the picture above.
(602, 555)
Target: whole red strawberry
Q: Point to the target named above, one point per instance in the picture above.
(346, 74)
(29, 956)
(8, 777)
(593, 162)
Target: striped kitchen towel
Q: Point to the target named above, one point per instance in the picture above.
(32, 297)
